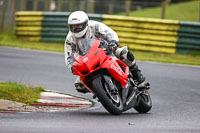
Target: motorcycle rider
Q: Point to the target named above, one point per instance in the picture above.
(81, 27)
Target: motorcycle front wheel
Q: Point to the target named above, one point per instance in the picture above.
(111, 102)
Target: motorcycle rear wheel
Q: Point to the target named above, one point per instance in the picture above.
(145, 103)
(112, 103)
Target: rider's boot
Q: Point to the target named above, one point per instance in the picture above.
(80, 87)
(137, 75)
(128, 58)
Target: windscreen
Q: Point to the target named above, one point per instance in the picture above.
(84, 46)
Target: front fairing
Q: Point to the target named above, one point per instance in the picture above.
(89, 57)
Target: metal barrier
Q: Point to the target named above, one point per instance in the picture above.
(158, 35)
(44, 26)
(188, 37)
(145, 34)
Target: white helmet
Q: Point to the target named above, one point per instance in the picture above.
(78, 23)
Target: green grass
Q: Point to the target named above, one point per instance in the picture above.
(12, 41)
(186, 11)
(20, 93)
(168, 58)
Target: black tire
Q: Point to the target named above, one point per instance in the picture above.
(106, 101)
(145, 103)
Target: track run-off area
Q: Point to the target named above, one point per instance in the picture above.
(175, 93)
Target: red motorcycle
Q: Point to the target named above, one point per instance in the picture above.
(109, 79)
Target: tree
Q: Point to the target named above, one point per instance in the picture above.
(3, 10)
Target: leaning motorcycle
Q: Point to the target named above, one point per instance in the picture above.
(109, 79)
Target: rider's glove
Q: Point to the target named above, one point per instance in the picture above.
(112, 46)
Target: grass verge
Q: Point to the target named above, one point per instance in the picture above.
(168, 58)
(20, 93)
(12, 41)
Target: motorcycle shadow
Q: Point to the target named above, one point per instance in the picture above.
(104, 113)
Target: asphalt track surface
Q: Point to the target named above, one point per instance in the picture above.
(175, 92)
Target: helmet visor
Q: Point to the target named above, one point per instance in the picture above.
(76, 28)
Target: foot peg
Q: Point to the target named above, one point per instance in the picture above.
(81, 88)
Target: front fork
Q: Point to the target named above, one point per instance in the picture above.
(129, 94)
(111, 85)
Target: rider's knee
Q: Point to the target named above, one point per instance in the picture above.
(124, 54)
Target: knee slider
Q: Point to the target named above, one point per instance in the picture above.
(123, 54)
(130, 56)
